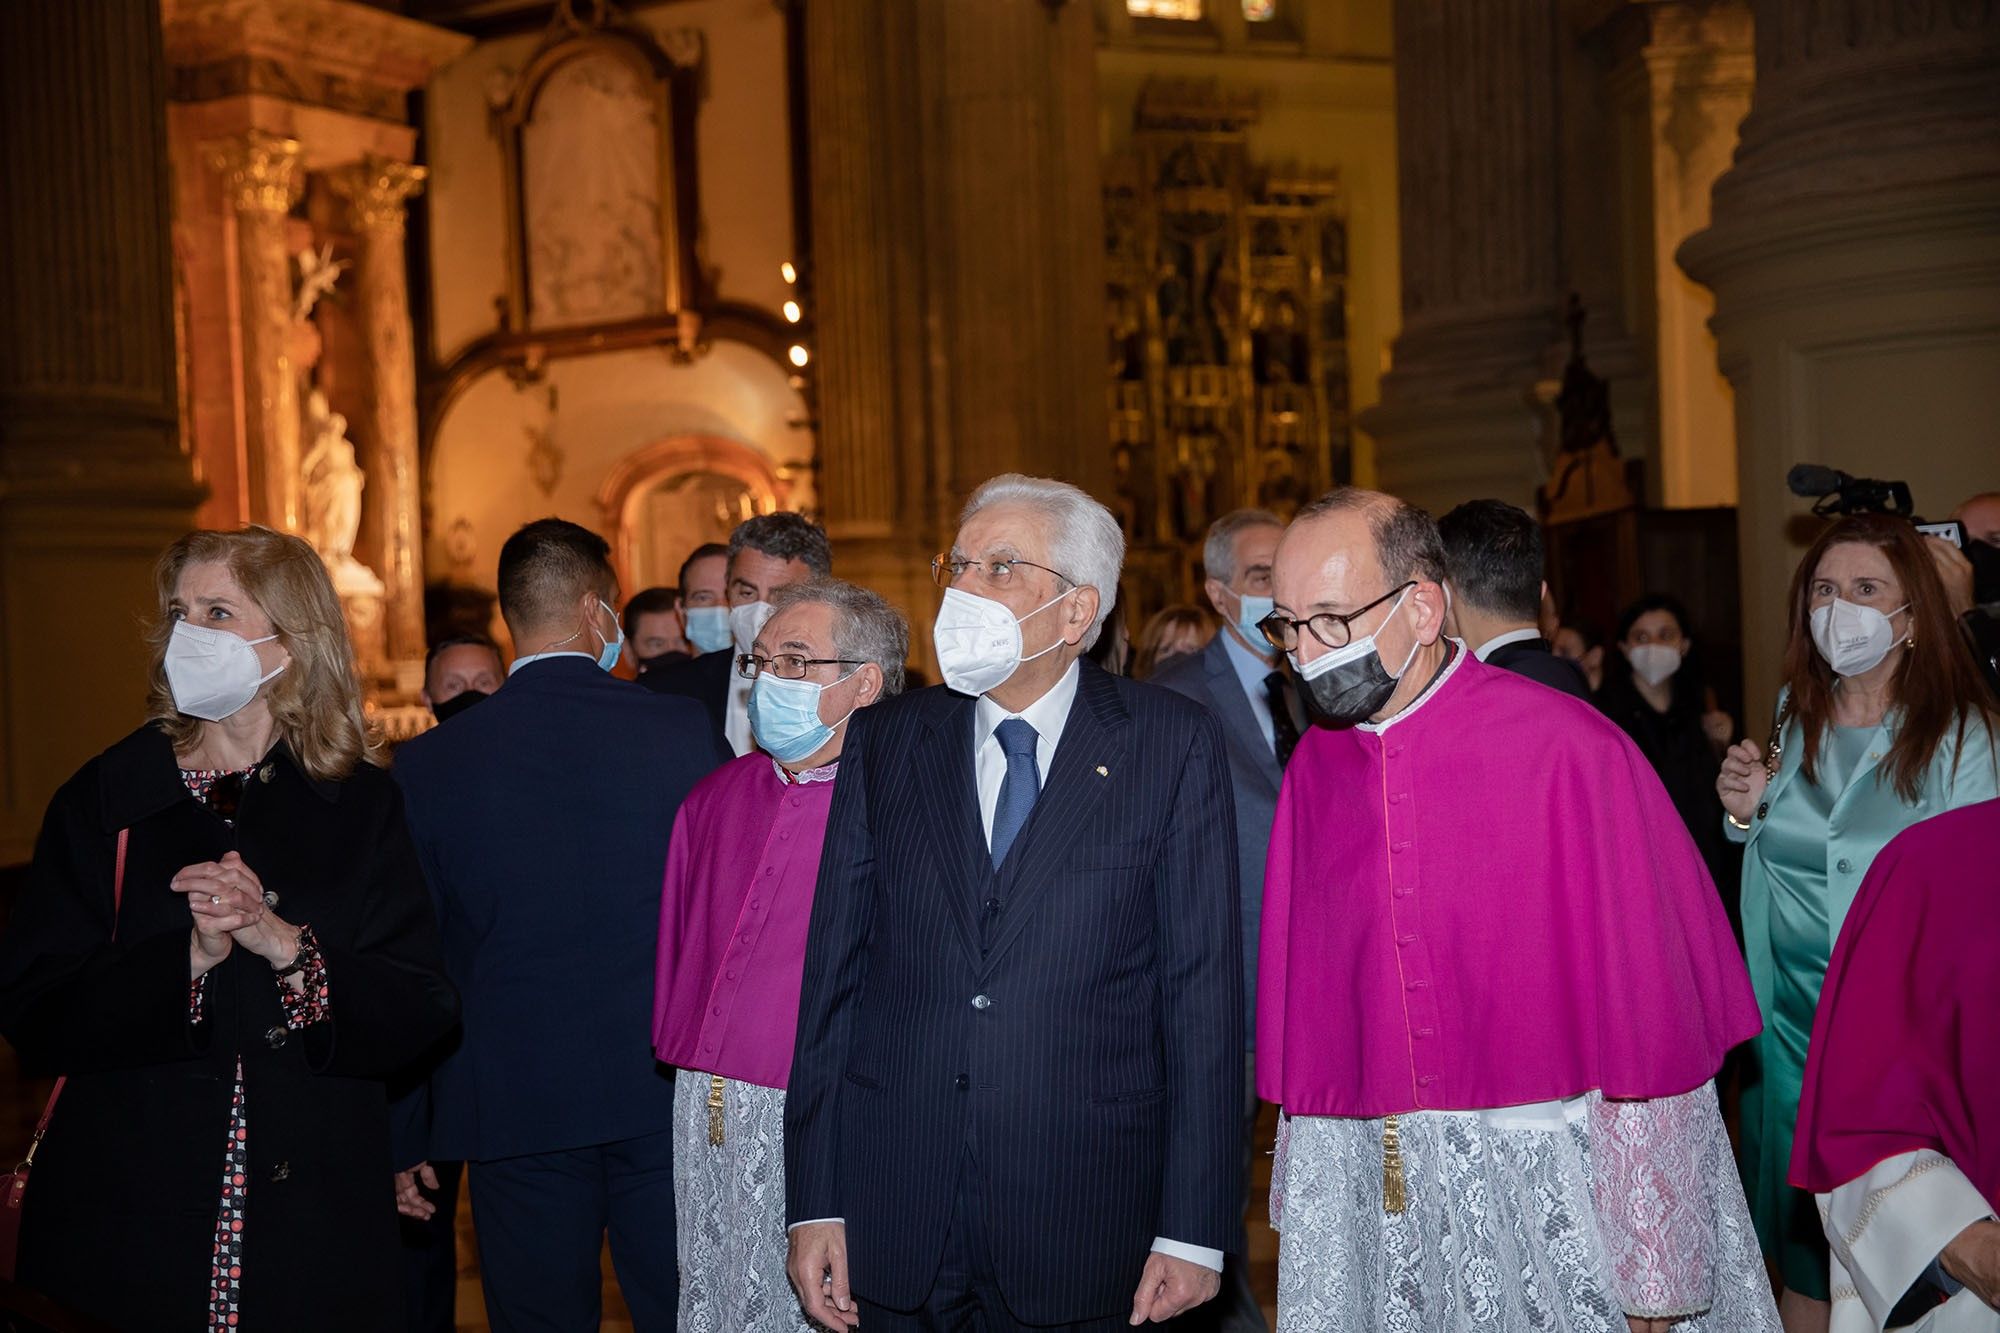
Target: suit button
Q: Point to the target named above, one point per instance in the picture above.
(1843, 865)
(275, 1038)
(265, 773)
(963, 1081)
(1763, 809)
(982, 1002)
(282, 1171)
(271, 898)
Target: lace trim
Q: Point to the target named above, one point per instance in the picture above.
(1876, 1198)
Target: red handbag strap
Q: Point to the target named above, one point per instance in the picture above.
(117, 902)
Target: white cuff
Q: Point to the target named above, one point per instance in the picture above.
(1887, 1226)
(1194, 1254)
(815, 1221)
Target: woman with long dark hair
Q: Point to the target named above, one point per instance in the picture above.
(1883, 722)
(226, 946)
(1655, 690)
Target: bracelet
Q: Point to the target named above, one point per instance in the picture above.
(298, 958)
(1735, 823)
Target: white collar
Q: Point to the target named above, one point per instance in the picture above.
(1450, 668)
(1046, 714)
(520, 662)
(1499, 641)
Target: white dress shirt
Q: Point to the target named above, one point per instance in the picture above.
(736, 715)
(1047, 715)
(1499, 641)
(520, 662)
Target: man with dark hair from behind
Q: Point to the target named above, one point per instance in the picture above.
(766, 553)
(542, 820)
(653, 629)
(1493, 558)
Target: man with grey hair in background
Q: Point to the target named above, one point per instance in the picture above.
(739, 889)
(1242, 680)
(766, 553)
(1016, 1092)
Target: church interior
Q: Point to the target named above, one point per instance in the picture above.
(400, 275)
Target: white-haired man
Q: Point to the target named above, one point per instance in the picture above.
(1016, 1089)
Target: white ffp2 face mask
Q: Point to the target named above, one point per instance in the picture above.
(978, 640)
(1853, 639)
(1654, 663)
(212, 672)
(746, 622)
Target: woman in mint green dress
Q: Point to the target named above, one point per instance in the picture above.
(1883, 722)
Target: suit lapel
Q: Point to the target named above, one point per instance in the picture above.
(949, 793)
(1239, 720)
(1095, 737)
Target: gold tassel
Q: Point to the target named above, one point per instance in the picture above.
(715, 1109)
(1392, 1167)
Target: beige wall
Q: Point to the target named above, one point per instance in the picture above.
(608, 406)
(1326, 102)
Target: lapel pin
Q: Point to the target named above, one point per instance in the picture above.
(1103, 772)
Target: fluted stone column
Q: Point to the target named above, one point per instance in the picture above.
(261, 178)
(1854, 253)
(93, 483)
(377, 190)
(956, 269)
(1476, 158)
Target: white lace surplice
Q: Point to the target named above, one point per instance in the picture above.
(1562, 1218)
(729, 1206)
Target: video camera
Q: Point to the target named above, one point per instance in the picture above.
(1833, 492)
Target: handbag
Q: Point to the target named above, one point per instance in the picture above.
(17, 1182)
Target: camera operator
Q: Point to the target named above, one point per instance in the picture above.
(1882, 722)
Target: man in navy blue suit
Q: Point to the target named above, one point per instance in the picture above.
(1017, 1087)
(542, 819)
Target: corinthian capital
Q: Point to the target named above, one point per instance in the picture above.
(261, 172)
(376, 188)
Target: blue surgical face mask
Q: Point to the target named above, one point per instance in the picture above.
(708, 628)
(1251, 608)
(784, 717)
(607, 658)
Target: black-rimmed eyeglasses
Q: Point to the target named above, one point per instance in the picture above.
(1329, 627)
(785, 666)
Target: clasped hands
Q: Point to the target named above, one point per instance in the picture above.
(818, 1268)
(227, 901)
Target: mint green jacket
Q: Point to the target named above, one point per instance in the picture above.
(1866, 817)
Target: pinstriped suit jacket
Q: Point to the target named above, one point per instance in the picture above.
(1097, 1089)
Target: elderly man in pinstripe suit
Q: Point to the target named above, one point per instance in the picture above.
(1017, 1085)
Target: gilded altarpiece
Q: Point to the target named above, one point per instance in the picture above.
(1226, 332)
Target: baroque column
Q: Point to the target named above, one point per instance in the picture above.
(1476, 159)
(957, 268)
(1854, 253)
(93, 483)
(261, 178)
(376, 190)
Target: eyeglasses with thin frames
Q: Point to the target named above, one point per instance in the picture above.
(995, 575)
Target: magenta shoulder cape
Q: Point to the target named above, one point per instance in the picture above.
(1487, 901)
(1905, 1048)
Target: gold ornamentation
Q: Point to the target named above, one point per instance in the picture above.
(376, 190)
(715, 1109)
(262, 172)
(1394, 1199)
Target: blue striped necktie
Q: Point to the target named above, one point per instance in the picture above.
(1018, 789)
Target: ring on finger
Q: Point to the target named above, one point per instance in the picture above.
(214, 898)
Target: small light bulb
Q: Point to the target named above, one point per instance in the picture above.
(792, 311)
(787, 272)
(799, 355)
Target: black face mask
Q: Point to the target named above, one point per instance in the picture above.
(457, 704)
(1349, 693)
(658, 660)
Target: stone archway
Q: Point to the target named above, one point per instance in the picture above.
(668, 497)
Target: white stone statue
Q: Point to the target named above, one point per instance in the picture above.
(333, 482)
